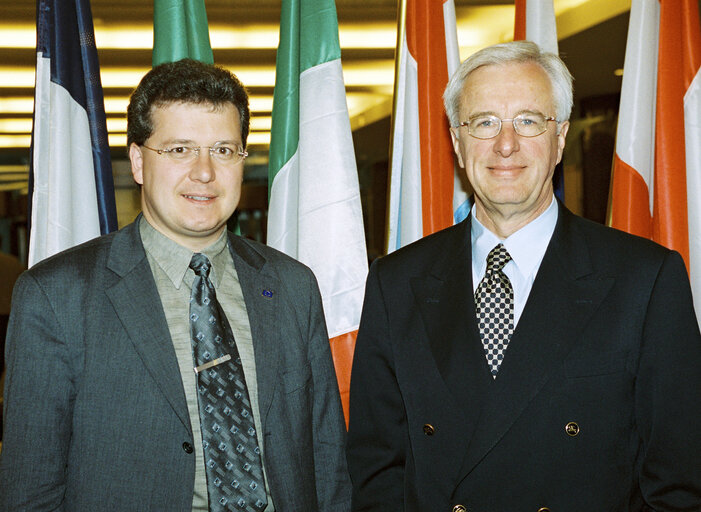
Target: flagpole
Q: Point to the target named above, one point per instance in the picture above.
(401, 31)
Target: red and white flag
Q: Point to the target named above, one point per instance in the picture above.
(535, 21)
(424, 188)
(656, 183)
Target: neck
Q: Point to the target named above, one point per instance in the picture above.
(504, 222)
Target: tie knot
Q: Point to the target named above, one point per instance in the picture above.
(497, 258)
(200, 264)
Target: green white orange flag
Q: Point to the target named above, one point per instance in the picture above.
(314, 213)
(656, 183)
(180, 31)
(425, 193)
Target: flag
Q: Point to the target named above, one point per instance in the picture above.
(314, 214)
(180, 31)
(656, 182)
(535, 21)
(425, 194)
(71, 191)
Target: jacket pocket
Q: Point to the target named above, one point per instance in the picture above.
(295, 378)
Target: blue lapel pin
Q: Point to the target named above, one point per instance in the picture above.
(268, 294)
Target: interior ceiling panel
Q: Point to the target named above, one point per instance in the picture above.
(244, 39)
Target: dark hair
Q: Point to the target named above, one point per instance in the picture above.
(184, 81)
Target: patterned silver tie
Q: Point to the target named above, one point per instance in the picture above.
(494, 301)
(232, 455)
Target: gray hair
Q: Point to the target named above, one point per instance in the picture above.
(506, 53)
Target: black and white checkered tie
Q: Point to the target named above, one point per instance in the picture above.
(232, 455)
(494, 301)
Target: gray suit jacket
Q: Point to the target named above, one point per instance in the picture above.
(95, 412)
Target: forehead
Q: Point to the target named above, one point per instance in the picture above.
(177, 116)
(506, 89)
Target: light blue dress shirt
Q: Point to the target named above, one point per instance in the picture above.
(526, 246)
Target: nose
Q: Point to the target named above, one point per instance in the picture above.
(203, 167)
(507, 141)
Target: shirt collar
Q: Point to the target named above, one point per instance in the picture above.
(174, 259)
(526, 246)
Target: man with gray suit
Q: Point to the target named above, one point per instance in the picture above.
(103, 410)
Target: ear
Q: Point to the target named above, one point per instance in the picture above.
(137, 163)
(561, 139)
(456, 144)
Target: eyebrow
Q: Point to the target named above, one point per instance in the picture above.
(220, 142)
(492, 113)
(179, 141)
(190, 142)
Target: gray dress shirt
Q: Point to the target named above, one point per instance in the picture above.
(169, 263)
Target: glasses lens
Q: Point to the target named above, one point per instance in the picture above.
(484, 127)
(226, 154)
(530, 124)
(223, 154)
(181, 153)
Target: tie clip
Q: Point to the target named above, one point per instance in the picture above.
(213, 362)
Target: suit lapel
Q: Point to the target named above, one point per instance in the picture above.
(565, 294)
(137, 304)
(262, 293)
(447, 308)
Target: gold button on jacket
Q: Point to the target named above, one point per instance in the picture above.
(572, 429)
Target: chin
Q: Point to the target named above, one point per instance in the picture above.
(509, 198)
(204, 228)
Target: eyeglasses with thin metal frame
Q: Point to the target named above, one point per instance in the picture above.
(527, 124)
(228, 154)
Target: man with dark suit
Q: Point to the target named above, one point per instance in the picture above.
(525, 359)
(103, 410)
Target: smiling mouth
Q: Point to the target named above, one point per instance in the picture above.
(506, 167)
(197, 198)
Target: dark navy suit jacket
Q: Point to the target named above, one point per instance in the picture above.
(596, 404)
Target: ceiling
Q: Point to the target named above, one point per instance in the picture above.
(244, 36)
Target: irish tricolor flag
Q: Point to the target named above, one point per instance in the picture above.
(656, 184)
(180, 31)
(314, 213)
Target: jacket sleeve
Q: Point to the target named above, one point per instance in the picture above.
(42, 366)
(377, 435)
(328, 429)
(668, 394)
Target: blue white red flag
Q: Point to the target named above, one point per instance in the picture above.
(71, 191)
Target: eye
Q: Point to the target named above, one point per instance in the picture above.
(179, 150)
(529, 119)
(483, 122)
(225, 151)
